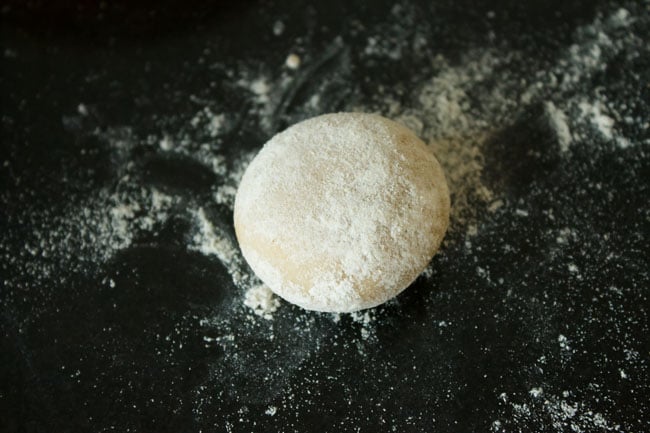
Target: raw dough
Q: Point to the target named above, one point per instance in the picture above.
(341, 212)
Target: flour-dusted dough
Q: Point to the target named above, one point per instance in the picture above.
(341, 212)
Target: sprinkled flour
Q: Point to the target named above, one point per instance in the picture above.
(162, 192)
(440, 110)
(562, 411)
(262, 301)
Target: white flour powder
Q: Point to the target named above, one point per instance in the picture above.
(458, 107)
(440, 111)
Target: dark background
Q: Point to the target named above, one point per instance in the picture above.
(440, 359)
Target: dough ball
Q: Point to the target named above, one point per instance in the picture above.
(341, 212)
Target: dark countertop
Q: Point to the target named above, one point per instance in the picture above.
(120, 123)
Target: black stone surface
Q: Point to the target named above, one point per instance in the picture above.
(459, 351)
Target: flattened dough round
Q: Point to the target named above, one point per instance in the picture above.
(341, 212)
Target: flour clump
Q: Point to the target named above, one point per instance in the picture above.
(341, 212)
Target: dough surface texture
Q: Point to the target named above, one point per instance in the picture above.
(341, 212)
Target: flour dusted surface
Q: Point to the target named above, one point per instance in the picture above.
(556, 266)
(341, 212)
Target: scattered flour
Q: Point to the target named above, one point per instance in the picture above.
(213, 123)
(271, 410)
(262, 301)
(457, 110)
(166, 144)
(562, 413)
(209, 240)
(92, 232)
(442, 112)
(564, 342)
(293, 61)
(558, 121)
(595, 113)
(278, 28)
